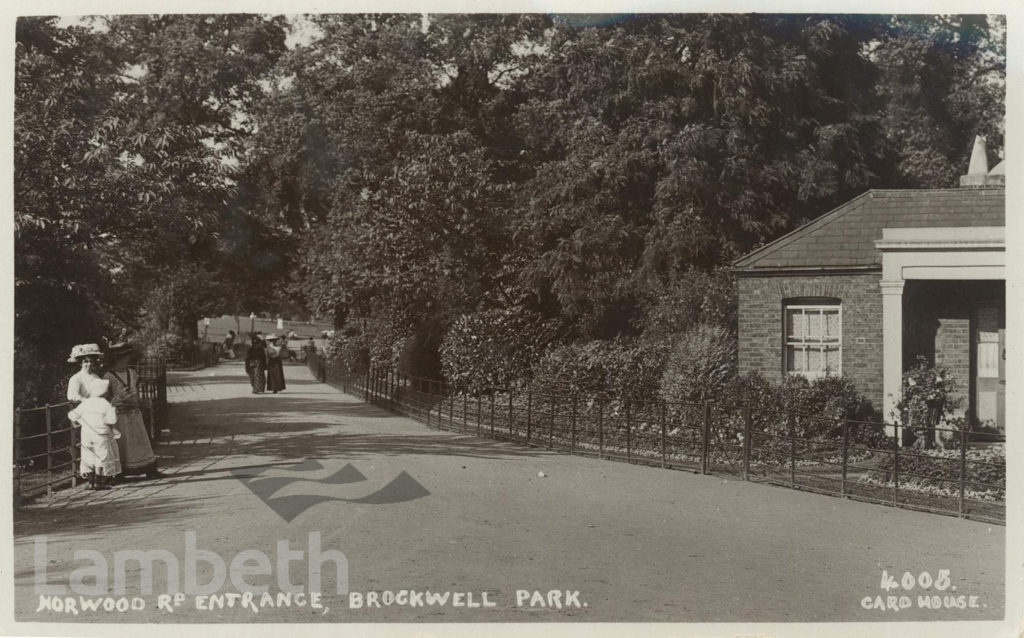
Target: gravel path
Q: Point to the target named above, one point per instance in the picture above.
(475, 517)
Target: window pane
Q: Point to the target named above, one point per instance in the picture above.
(814, 325)
(833, 360)
(832, 325)
(814, 362)
(794, 325)
(797, 359)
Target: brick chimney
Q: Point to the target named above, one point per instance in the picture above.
(978, 173)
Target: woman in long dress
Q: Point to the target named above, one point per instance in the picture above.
(96, 417)
(275, 366)
(136, 452)
(87, 356)
(256, 365)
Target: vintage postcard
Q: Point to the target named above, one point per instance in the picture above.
(503, 319)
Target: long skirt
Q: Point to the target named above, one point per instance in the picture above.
(275, 375)
(134, 447)
(257, 375)
(99, 454)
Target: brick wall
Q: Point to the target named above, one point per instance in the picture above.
(761, 300)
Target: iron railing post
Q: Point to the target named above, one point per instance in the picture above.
(963, 471)
(600, 428)
(629, 433)
(49, 453)
(792, 449)
(492, 412)
(846, 456)
(705, 438)
(17, 456)
(529, 412)
(572, 443)
(748, 429)
(663, 408)
(551, 423)
(451, 411)
(896, 466)
(511, 421)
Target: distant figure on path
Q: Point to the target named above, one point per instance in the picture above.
(256, 364)
(229, 345)
(100, 461)
(135, 449)
(87, 356)
(275, 367)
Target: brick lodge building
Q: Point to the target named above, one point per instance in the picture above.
(891, 275)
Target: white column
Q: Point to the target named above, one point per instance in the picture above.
(892, 348)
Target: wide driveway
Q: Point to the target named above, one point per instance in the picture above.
(413, 509)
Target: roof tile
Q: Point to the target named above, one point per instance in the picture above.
(846, 235)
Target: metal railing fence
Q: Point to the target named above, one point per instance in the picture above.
(850, 459)
(47, 448)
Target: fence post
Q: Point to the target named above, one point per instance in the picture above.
(792, 449)
(846, 455)
(551, 424)
(963, 470)
(492, 412)
(465, 410)
(17, 456)
(479, 418)
(663, 408)
(748, 422)
(705, 438)
(629, 432)
(529, 412)
(572, 444)
(74, 464)
(451, 410)
(896, 466)
(49, 454)
(600, 427)
(510, 419)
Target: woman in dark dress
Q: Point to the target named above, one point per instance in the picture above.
(275, 366)
(256, 365)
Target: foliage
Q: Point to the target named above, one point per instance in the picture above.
(700, 364)
(621, 369)
(813, 410)
(127, 133)
(494, 348)
(352, 352)
(696, 297)
(938, 472)
(928, 393)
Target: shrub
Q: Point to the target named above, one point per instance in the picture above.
(170, 346)
(619, 368)
(493, 348)
(938, 472)
(699, 365)
(350, 351)
(695, 297)
(928, 394)
(815, 410)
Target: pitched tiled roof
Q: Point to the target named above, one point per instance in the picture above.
(845, 237)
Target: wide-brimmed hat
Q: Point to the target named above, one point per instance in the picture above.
(98, 387)
(272, 336)
(84, 350)
(120, 349)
